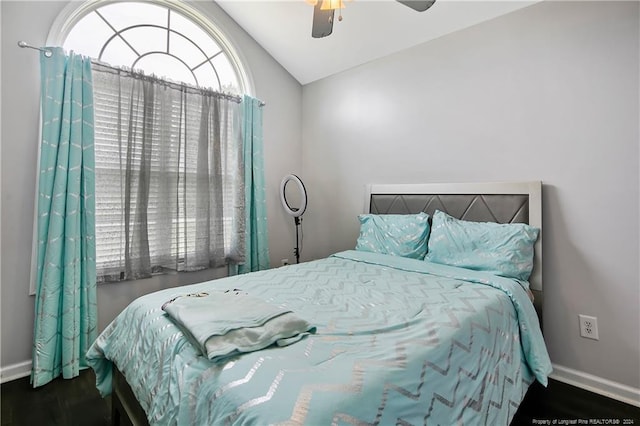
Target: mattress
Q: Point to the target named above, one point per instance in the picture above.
(398, 341)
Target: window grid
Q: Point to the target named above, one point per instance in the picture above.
(130, 37)
(176, 27)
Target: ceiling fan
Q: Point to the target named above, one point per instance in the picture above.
(324, 10)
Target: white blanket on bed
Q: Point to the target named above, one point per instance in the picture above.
(226, 323)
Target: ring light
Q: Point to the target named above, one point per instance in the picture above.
(293, 211)
(296, 212)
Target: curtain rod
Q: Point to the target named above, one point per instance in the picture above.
(48, 54)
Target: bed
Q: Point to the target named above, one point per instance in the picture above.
(395, 339)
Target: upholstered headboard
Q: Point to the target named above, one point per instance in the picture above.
(504, 202)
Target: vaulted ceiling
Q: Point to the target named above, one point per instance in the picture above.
(370, 29)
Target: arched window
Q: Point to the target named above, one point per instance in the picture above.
(168, 39)
(168, 163)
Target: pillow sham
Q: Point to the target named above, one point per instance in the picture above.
(402, 235)
(501, 249)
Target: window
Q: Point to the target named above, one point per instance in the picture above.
(160, 40)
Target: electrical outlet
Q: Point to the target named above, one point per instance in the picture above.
(589, 327)
(284, 262)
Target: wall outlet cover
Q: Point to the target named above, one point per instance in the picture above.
(589, 327)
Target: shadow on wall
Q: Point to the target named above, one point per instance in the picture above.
(572, 287)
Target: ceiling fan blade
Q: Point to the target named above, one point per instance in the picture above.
(322, 22)
(419, 5)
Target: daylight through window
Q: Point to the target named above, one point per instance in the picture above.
(156, 39)
(169, 176)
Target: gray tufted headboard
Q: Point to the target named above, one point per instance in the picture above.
(504, 202)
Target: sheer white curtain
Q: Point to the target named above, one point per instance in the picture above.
(169, 176)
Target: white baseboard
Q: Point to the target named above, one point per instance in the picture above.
(15, 371)
(608, 388)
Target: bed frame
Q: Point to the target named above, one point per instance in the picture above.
(504, 202)
(125, 408)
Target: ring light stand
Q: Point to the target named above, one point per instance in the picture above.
(296, 212)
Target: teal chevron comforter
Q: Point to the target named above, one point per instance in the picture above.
(398, 341)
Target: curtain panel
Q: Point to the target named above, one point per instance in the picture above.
(65, 322)
(256, 238)
(169, 176)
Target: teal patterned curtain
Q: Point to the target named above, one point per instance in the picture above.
(65, 305)
(256, 237)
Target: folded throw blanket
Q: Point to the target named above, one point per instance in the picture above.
(227, 323)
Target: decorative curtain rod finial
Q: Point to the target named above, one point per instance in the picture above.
(24, 44)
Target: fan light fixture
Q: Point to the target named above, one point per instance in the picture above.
(323, 11)
(296, 212)
(328, 4)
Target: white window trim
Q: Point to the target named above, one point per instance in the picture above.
(74, 11)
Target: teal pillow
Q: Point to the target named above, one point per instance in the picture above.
(501, 249)
(402, 235)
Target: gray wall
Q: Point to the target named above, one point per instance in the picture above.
(549, 93)
(30, 21)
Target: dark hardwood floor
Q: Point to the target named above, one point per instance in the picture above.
(77, 403)
(569, 405)
(61, 402)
